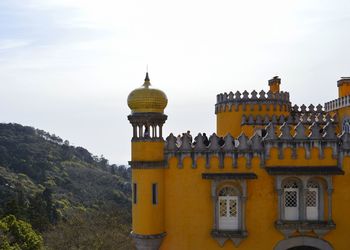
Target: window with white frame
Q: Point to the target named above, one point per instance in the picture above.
(228, 209)
(302, 199)
(291, 200)
(312, 201)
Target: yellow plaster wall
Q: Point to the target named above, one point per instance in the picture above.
(147, 151)
(274, 88)
(189, 211)
(148, 218)
(301, 160)
(344, 90)
(230, 121)
(339, 237)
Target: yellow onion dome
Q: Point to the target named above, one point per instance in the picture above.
(147, 99)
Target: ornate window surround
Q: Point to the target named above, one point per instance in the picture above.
(321, 226)
(239, 182)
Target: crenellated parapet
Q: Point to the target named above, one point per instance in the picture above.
(289, 136)
(294, 118)
(232, 101)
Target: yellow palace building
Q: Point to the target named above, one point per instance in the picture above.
(273, 176)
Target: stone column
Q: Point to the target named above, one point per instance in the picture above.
(280, 204)
(329, 192)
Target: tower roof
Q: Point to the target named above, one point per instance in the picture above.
(147, 99)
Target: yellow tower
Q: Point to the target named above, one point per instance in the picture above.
(147, 162)
(340, 107)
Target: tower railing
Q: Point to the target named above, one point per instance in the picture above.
(338, 103)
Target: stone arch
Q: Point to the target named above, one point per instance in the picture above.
(303, 241)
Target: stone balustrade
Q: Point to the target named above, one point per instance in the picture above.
(337, 104)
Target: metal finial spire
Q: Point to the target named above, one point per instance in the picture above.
(147, 81)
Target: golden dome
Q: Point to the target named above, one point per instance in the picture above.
(146, 99)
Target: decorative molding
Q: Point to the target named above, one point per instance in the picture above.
(289, 228)
(147, 164)
(221, 236)
(304, 170)
(229, 176)
(147, 242)
(147, 236)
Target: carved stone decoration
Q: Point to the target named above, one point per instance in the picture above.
(315, 131)
(229, 143)
(274, 119)
(222, 236)
(296, 108)
(244, 120)
(255, 142)
(311, 108)
(290, 120)
(171, 143)
(300, 132)
(186, 143)
(262, 95)
(329, 131)
(238, 95)
(230, 96)
(270, 132)
(147, 242)
(251, 119)
(281, 119)
(199, 143)
(214, 143)
(266, 119)
(304, 118)
(319, 108)
(254, 95)
(285, 132)
(258, 120)
(345, 141)
(245, 95)
(303, 108)
(270, 95)
(243, 142)
(312, 118)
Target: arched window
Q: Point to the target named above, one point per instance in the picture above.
(312, 201)
(228, 209)
(291, 200)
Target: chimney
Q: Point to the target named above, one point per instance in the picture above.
(344, 86)
(274, 84)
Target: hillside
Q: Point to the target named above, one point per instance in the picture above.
(74, 199)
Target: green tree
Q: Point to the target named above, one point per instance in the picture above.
(18, 235)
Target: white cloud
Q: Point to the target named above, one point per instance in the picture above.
(6, 44)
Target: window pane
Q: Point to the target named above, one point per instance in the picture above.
(135, 193)
(311, 198)
(290, 199)
(223, 208)
(154, 194)
(233, 208)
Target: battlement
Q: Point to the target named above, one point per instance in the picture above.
(231, 99)
(306, 118)
(341, 102)
(316, 135)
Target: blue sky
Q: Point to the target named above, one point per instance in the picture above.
(67, 66)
